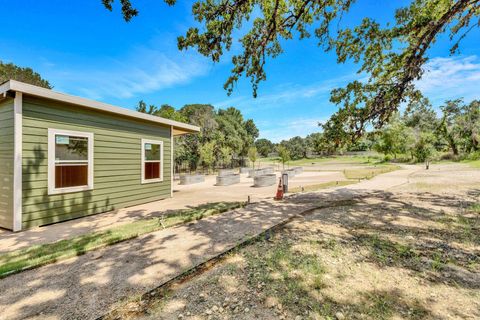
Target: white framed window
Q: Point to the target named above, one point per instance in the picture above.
(152, 161)
(70, 161)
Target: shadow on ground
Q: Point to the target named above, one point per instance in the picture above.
(382, 223)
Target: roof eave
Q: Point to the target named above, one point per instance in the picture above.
(13, 85)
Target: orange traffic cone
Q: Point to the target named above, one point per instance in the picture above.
(279, 195)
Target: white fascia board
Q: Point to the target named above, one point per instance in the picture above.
(29, 89)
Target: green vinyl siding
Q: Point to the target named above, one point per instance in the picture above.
(117, 162)
(6, 166)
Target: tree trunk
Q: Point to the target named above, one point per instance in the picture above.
(453, 146)
(475, 142)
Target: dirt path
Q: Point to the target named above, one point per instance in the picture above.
(389, 180)
(406, 247)
(88, 286)
(184, 197)
(384, 256)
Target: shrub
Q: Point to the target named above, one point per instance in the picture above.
(473, 156)
(449, 157)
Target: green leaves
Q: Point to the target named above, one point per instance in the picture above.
(253, 155)
(275, 20)
(128, 11)
(9, 71)
(224, 134)
(283, 154)
(207, 153)
(264, 147)
(391, 56)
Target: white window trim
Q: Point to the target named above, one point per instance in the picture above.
(144, 141)
(51, 161)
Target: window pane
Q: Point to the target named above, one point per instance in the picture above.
(152, 170)
(71, 148)
(152, 152)
(71, 175)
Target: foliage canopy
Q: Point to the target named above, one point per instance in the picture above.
(224, 133)
(392, 56)
(9, 71)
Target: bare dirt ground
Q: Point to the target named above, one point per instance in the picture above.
(411, 252)
(374, 250)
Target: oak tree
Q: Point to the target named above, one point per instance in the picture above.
(10, 71)
(392, 55)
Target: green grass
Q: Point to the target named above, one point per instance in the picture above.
(465, 228)
(290, 274)
(380, 305)
(330, 159)
(475, 208)
(36, 256)
(386, 252)
(368, 173)
(294, 274)
(472, 163)
(316, 187)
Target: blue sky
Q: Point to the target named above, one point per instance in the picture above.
(85, 50)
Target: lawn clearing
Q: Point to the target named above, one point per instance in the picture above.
(473, 163)
(368, 173)
(316, 187)
(395, 257)
(39, 255)
(475, 208)
(355, 160)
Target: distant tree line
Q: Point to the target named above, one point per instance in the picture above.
(298, 147)
(225, 136)
(9, 71)
(419, 134)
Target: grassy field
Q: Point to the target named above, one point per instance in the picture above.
(353, 176)
(39, 255)
(368, 173)
(475, 208)
(401, 254)
(343, 262)
(473, 163)
(316, 187)
(366, 160)
(374, 159)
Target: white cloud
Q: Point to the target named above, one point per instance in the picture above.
(450, 78)
(286, 93)
(285, 130)
(144, 69)
(286, 100)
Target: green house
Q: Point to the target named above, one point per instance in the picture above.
(64, 157)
